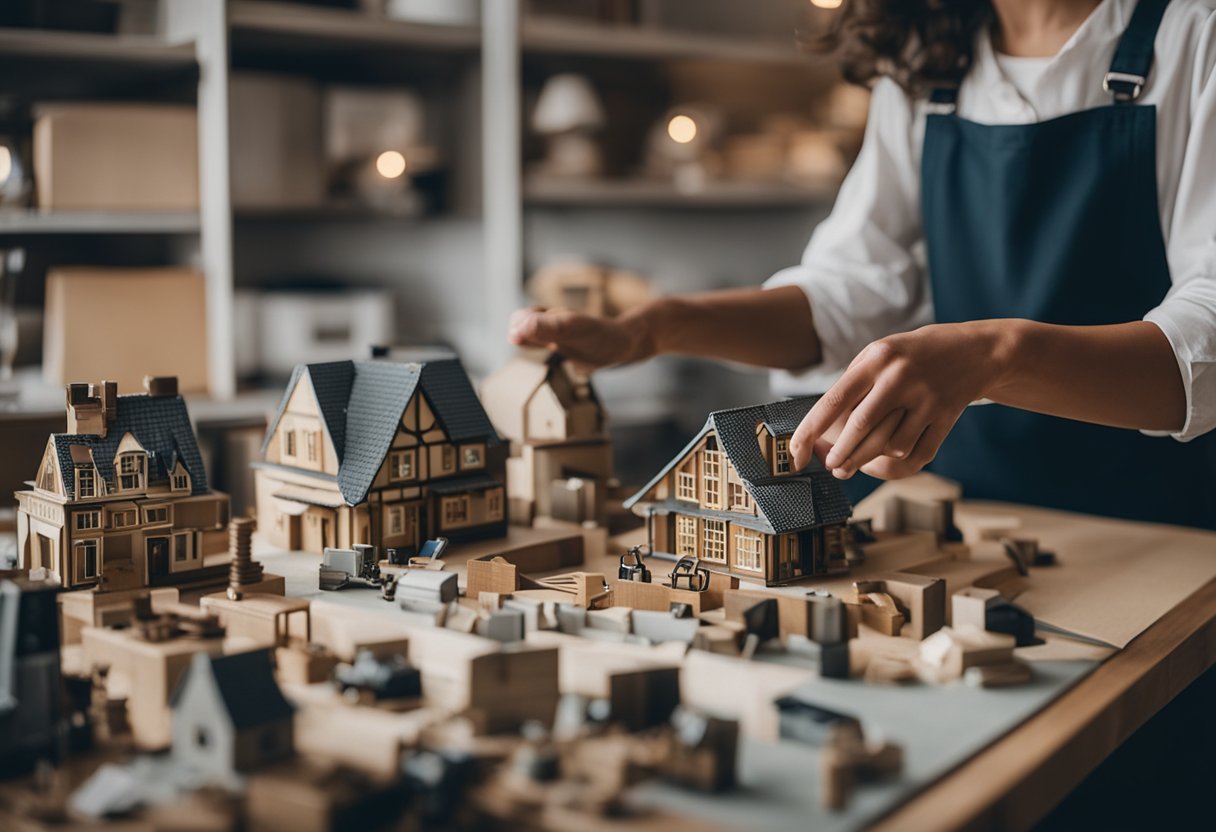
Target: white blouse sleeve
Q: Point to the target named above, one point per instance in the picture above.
(863, 270)
(1187, 316)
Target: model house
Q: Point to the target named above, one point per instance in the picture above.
(557, 431)
(383, 453)
(229, 715)
(121, 500)
(733, 499)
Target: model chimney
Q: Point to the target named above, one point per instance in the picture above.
(160, 385)
(91, 408)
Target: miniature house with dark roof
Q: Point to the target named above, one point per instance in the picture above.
(555, 424)
(229, 715)
(383, 453)
(733, 499)
(121, 499)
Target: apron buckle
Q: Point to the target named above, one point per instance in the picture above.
(1124, 86)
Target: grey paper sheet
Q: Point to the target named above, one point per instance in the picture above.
(939, 728)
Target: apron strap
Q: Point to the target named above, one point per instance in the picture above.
(1134, 56)
(942, 100)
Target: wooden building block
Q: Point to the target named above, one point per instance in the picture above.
(640, 596)
(922, 600)
(878, 611)
(969, 606)
(491, 574)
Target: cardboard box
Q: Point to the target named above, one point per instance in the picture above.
(123, 324)
(116, 157)
(278, 158)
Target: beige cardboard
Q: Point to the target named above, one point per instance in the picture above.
(122, 324)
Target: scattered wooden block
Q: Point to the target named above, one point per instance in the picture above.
(491, 574)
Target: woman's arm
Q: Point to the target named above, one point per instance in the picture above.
(890, 411)
(765, 328)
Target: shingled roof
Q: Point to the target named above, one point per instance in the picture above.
(787, 503)
(246, 684)
(361, 403)
(161, 424)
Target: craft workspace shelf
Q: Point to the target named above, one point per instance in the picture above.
(642, 193)
(33, 222)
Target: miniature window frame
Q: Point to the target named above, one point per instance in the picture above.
(711, 478)
(494, 504)
(472, 456)
(289, 443)
(403, 465)
(447, 459)
(781, 455)
(713, 540)
(310, 445)
(47, 482)
(86, 482)
(180, 481)
(455, 511)
(87, 520)
(183, 553)
(124, 518)
(686, 482)
(131, 466)
(740, 498)
(86, 557)
(749, 550)
(157, 515)
(395, 520)
(686, 536)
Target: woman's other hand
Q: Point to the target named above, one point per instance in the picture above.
(889, 412)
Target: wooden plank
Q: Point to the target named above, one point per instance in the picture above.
(1017, 781)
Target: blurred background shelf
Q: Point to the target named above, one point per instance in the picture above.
(659, 194)
(96, 222)
(279, 25)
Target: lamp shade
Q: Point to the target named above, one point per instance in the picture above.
(567, 102)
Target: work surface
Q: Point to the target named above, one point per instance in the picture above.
(973, 757)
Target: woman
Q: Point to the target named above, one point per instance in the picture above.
(1031, 221)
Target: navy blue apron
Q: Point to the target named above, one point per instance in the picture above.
(1058, 222)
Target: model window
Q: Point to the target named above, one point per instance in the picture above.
(781, 455)
(447, 458)
(715, 540)
(456, 510)
(48, 475)
(494, 504)
(740, 499)
(686, 483)
(713, 478)
(181, 482)
(748, 548)
(310, 445)
(86, 483)
(131, 472)
(122, 519)
(86, 556)
(156, 514)
(396, 519)
(472, 456)
(181, 547)
(88, 520)
(686, 535)
(289, 443)
(401, 465)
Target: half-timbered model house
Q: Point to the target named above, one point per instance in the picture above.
(733, 499)
(383, 453)
(121, 499)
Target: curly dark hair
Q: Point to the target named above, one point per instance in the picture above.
(917, 43)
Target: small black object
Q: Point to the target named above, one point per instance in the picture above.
(761, 619)
(637, 570)
(1042, 558)
(391, 677)
(1004, 617)
(863, 531)
(691, 573)
(388, 588)
(809, 723)
(433, 548)
(397, 557)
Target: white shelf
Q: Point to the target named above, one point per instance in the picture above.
(552, 36)
(97, 222)
(659, 194)
(342, 27)
(42, 45)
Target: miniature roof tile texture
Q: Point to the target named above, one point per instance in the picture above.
(788, 503)
(161, 424)
(362, 402)
(246, 685)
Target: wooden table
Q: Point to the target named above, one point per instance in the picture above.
(1017, 781)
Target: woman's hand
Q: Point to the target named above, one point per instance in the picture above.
(889, 412)
(586, 340)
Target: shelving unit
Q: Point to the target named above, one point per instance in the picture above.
(272, 25)
(97, 222)
(644, 193)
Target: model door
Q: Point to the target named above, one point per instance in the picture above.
(158, 557)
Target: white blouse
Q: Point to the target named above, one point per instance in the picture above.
(864, 269)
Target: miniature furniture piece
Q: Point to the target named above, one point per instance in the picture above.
(29, 674)
(561, 456)
(382, 453)
(732, 499)
(121, 499)
(637, 570)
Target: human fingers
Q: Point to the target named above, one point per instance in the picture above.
(832, 406)
(871, 446)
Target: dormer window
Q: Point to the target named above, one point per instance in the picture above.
(86, 482)
(180, 480)
(131, 472)
(781, 455)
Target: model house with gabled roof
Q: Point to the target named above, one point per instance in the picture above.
(230, 716)
(379, 452)
(121, 499)
(555, 424)
(733, 499)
